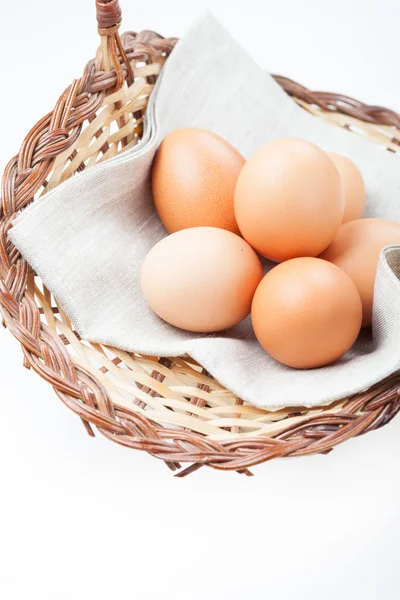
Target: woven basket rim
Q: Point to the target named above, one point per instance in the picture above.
(47, 352)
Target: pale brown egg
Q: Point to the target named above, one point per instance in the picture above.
(356, 250)
(201, 279)
(289, 200)
(193, 180)
(306, 313)
(353, 185)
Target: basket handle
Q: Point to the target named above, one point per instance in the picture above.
(109, 16)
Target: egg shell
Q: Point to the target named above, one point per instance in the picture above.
(353, 185)
(356, 250)
(193, 180)
(306, 313)
(201, 279)
(289, 200)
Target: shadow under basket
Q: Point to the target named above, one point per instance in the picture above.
(169, 407)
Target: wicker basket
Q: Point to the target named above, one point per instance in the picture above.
(169, 407)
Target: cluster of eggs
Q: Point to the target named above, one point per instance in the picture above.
(292, 203)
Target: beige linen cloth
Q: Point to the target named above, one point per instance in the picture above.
(87, 239)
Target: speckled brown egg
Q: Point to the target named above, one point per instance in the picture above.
(193, 180)
(306, 313)
(353, 186)
(201, 279)
(356, 250)
(289, 200)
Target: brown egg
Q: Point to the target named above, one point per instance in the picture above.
(193, 180)
(356, 250)
(353, 185)
(201, 279)
(306, 313)
(289, 200)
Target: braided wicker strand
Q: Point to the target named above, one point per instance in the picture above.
(175, 411)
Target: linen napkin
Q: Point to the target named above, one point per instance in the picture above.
(87, 238)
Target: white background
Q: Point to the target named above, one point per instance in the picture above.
(83, 518)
